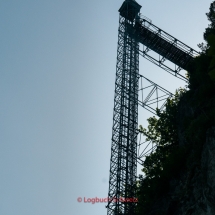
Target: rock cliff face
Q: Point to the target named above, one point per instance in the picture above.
(193, 193)
(198, 185)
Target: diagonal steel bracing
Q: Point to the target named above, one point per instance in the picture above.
(144, 148)
(151, 95)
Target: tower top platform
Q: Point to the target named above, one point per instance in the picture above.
(129, 9)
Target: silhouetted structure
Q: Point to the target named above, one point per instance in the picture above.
(134, 30)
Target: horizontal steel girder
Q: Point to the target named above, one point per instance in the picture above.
(165, 45)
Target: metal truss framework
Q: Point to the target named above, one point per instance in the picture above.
(166, 46)
(144, 148)
(152, 96)
(125, 151)
(123, 164)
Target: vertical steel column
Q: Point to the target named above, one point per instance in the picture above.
(123, 164)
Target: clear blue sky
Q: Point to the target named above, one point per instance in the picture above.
(57, 73)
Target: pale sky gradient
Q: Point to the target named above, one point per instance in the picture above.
(57, 74)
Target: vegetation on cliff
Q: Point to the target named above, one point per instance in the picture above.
(180, 130)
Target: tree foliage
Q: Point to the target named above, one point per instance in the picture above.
(163, 132)
(166, 161)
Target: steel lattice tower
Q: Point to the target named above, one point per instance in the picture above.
(123, 165)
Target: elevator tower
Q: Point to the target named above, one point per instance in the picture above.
(123, 164)
(135, 31)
